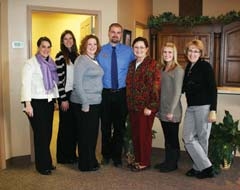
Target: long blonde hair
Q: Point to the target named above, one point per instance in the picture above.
(174, 61)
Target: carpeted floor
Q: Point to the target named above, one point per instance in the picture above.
(111, 178)
(68, 177)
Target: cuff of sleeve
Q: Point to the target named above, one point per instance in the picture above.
(85, 107)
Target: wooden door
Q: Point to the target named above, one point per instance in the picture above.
(230, 64)
(86, 28)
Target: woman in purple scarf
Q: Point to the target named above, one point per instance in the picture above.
(38, 94)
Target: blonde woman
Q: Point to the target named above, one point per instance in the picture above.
(170, 111)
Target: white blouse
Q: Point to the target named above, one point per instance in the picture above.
(32, 83)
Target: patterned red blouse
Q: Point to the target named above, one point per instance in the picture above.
(143, 85)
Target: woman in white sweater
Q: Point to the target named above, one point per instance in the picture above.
(38, 94)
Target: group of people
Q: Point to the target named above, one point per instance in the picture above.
(104, 84)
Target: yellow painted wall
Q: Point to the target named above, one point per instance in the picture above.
(52, 25)
(139, 32)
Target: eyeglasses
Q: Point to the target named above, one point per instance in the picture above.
(193, 51)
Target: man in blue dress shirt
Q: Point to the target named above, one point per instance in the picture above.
(114, 108)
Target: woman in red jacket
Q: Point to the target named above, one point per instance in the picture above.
(143, 89)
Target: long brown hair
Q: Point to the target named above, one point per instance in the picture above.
(64, 49)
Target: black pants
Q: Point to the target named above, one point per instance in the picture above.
(172, 147)
(170, 131)
(41, 123)
(88, 125)
(67, 135)
(113, 118)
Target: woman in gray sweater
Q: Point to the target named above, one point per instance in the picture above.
(170, 111)
(86, 98)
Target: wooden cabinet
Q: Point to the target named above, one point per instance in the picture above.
(221, 47)
(230, 63)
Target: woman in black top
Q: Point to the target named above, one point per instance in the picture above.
(200, 89)
(66, 139)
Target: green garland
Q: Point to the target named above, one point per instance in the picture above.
(189, 21)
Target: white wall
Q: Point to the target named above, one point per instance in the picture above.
(17, 138)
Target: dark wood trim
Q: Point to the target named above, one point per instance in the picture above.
(190, 8)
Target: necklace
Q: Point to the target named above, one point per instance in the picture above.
(92, 58)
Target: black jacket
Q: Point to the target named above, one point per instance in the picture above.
(199, 85)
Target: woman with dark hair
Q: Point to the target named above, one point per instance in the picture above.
(143, 92)
(86, 98)
(38, 93)
(66, 139)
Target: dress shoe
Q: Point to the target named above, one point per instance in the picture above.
(95, 168)
(53, 167)
(117, 164)
(159, 165)
(206, 173)
(45, 172)
(105, 161)
(168, 168)
(192, 173)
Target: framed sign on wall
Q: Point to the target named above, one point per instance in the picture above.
(127, 37)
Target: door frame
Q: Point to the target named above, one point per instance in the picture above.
(4, 102)
(31, 9)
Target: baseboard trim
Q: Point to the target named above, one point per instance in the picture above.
(19, 161)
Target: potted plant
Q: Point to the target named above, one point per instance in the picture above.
(224, 142)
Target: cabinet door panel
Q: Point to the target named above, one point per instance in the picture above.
(230, 66)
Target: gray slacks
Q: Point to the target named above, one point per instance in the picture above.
(196, 132)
